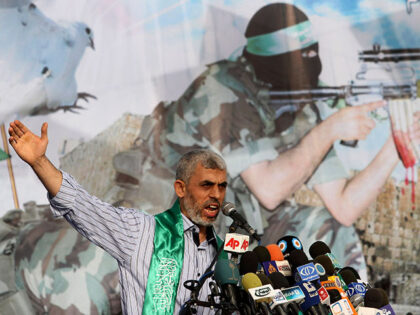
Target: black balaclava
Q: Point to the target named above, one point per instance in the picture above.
(286, 71)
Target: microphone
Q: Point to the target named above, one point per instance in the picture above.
(352, 270)
(312, 302)
(355, 290)
(261, 294)
(320, 248)
(263, 256)
(262, 253)
(249, 263)
(331, 287)
(277, 262)
(288, 244)
(326, 262)
(226, 274)
(275, 252)
(286, 298)
(342, 307)
(236, 243)
(277, 308)
(229, 210)
(356, 274)
(302, 268)
(377, 298)
(339, 305)
(307, 279)
(270, 265)
(335, 296)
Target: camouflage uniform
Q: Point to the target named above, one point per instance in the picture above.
(227, 110)
(12, 300)
(57, 270)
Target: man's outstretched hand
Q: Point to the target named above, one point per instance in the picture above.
(27, 145)
(31, 149)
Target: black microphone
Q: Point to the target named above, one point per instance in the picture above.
(280, 282)
(307, 279)
(249, 263)
(264, 280)
(320, 248)
(377, 298)
(355, 291)
(262, 253)
(278, 310)
(229, 210)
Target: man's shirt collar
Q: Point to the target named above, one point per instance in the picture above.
(210, 235)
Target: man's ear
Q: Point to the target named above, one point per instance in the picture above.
(180, 187)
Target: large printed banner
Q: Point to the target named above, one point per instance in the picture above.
(251, 80)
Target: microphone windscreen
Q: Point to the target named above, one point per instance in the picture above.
(249, 263)
(262, 253)
(318, 248)
(348, 276)
(288, 244)
(250, 281)
(275, 252)
(354, 271)
(227, 207)
(279, 280)
(385, 296)
(326, 262)
(335, 296)
(374, 298)
(297, 258)
(226, 272)
(264, 279)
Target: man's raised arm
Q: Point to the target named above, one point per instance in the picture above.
(31, 149)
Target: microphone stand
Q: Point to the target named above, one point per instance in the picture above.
(195, 286)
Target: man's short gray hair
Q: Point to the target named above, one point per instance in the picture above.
(189, 161)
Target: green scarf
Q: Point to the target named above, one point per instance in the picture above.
(166, 264)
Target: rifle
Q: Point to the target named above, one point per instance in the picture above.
(291, 101)
(325, 93)
(376, 54)
(406, 87)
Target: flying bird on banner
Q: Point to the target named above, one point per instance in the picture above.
(38, 61)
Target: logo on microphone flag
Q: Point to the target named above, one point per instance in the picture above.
(341, 307)
(323, 294)
(307, 272)
(293, 293)
(278, 298)
(236, 243)
(356, 288)
(262, 292)
(284, 267)
(269, 267)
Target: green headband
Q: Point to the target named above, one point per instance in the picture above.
(287, 39)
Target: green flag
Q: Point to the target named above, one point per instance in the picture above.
(3, 155)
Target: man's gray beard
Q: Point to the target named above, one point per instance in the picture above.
(194, 213)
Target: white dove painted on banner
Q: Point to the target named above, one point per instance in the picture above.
(38, 61)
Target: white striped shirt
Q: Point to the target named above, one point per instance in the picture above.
(127, 235)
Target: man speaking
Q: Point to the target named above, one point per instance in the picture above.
(155, 254)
